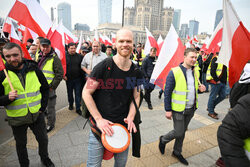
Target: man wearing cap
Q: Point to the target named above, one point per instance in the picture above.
(74, 77)
(84, 51)
(51, 67)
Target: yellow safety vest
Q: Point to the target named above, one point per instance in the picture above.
(47, 69)
(142, 56)
(179, 94)
(4, 61)
(218, 71)
(197, 63)
(247, 147)
(29, 99)
(37, 55)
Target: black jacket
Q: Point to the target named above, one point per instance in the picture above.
(29, 65)
(223, 77)
(73, 66)
(234, 129)
(148, 66)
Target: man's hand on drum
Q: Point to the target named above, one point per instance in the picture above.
(131, 125)
(104, 126)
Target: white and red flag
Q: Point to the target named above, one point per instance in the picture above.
(30, 14)
(113, 37)
(69, 37)
(195, 39)
(204, 46)
(15, 39)
(2, 65)
(213, 44)
(7, 25)
(160, 42)
(171, 55)
(58, 43)
(235, 49)
(52, 29)
(28, 33)
(150, 42)
(107, 40)
(101, 38)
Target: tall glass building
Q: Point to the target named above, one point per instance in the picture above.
(64, 14)
(177, 19)
(218, 17)
(104, 11)
(193, 27)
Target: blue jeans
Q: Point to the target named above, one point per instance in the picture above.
(76, 86)
(204, 81)
(216, 90)
(228, 89)
(95, 154)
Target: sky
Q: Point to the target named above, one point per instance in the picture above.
(86, 11)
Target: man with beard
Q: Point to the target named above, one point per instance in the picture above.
(51, 67)
(26, 103)
(114, 105)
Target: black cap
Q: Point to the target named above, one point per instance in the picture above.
(30, 40)
(85, 49)
(45, 41)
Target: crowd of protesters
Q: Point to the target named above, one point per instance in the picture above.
(199, 73)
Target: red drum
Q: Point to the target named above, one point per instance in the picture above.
(119, 141)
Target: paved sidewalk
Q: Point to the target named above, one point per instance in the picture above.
(68, 142)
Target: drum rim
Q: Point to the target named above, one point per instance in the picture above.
(112, 149)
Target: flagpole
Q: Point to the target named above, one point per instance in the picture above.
(123, 13)
(7, 76)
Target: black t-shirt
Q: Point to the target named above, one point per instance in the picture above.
(113, 98)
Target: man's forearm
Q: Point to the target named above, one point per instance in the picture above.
(90, 103)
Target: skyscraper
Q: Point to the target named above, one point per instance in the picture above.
(218, 17)
(177, 19)
(104, 11)
(183, 31)
(193, 27)
(64, 14)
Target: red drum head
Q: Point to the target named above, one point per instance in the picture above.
(119, 141)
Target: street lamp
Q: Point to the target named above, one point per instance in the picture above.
(123, 13)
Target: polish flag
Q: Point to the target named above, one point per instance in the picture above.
(101, 38)
(188, 37)
(113, 37)
(160, 43)
(96, 38)
(204, 46)
(30, 14)
(150, 42)
(69, 37)
(88, 39)
(215, 38)
(2, 65)
(58, 43)
(79, 44)
(171, 55)
(21, 28)
(15, 39)
(107, 40)
(52, 29)
(7, 25)
(235, 49)
(28, 33)
(195, 39)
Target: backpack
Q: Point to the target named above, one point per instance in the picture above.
(238, 90)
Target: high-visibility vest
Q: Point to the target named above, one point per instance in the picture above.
(179, 94)
(218, 71)
(4, 61)
(37, 55)
(196, 65)
(47, 69)
(29, 99)
(247, 147)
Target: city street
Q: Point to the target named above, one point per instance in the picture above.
(68, 141)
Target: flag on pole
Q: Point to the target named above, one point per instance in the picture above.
(58, 43)
(30, 14)
(204, 46)
(160, 43)
(107, 40)
(171, 55)
(150, 42)
(7, 25)
(215, 39)
(15, 39)
(235, 49)
(96, 38)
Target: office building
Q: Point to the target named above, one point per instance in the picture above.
(218, 17)
(104, 11)
(193, 28)
(177, 19)
(64, 14)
